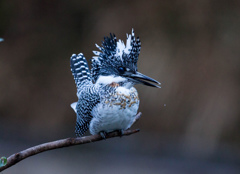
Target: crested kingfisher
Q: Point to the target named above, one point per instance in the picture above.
(107, 100)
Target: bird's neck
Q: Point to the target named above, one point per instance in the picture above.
(114, 81)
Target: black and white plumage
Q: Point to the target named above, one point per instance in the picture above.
(107, 100)
(115, 54)
(80, 70)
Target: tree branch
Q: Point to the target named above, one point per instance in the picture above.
(17, 157)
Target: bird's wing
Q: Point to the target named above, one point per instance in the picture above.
(88, 99)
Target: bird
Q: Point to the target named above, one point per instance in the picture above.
(107, 99)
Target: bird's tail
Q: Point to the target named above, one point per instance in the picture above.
(79, 68)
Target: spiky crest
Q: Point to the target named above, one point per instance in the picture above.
(115, 53)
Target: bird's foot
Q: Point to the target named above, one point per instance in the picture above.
(120, 132)
(103, 134)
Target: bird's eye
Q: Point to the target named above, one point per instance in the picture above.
(121, 70)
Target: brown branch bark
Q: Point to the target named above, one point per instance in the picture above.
(17, 157)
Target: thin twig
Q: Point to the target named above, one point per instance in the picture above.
(17, 157)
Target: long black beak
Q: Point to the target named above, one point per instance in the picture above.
(143, 79)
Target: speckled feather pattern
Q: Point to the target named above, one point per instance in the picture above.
(105, 107)
(115, 53)
(88, 98)
(80, 70)
(116, 111)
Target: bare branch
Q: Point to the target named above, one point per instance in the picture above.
(17, 157)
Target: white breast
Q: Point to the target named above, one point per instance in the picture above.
(115, 112)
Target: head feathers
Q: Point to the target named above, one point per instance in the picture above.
(115, 53)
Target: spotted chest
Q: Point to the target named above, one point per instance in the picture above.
(122, 97)
(116, 111)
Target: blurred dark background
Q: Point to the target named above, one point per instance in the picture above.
(190, 125)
